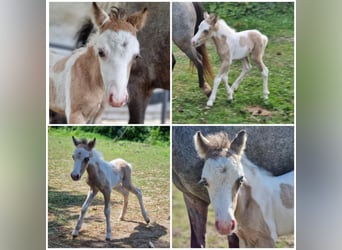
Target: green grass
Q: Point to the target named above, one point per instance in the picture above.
(151, 173)
(189, 103)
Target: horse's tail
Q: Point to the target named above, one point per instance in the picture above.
(207, 68)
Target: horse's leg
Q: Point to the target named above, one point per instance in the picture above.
(106, 195)
(140, 93)
(223, 72)
(257, 58)
(77, 118)
(138, 193)
(233, 241)
(246, 67)
(197, 212)
(125, 194)
(228, 89)
(196, 58)
(91, 194)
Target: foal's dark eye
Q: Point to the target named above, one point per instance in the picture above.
(101, 53)
(137, 56)
(205, 31)
(86, 159)
(241, 180)
(204, 182)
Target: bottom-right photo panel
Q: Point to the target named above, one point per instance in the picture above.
(233, 186)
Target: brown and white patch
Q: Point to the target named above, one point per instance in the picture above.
(286, 195)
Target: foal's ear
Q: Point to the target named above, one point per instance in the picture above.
(91, 144)
(239, 143)
(205, 15)
(76, 142)
(201, 144)
(213, 19)
(138, 19)
(100, 16)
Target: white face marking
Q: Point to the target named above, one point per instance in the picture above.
(203, 34)
(221, 175)
(117, 51)
(81, 159)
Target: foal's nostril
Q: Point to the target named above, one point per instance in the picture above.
(232, 225)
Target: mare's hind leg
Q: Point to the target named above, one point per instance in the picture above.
(197, 212)
(125, 194)
(91, 194)
(246, 67)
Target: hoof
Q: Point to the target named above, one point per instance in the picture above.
(206, 89)
(74, 236)
(107, 239)
(147, 220)
(210, 104)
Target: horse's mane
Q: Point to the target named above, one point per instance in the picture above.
(224, 23)
(88, 30)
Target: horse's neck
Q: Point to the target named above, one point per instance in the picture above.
(224, 30)
(254, 175)
(96, 168)
(89, 67)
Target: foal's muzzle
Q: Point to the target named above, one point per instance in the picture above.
(75, 177)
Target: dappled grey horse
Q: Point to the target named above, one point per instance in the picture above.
(186, 17)
(277, 141)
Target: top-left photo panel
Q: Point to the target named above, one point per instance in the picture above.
(109, 63)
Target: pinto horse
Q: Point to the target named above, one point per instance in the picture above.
(103, 176)
(277, 141)
(249, 201)
(232, 45)
(152, 70)
(82, 83)
(186, 17)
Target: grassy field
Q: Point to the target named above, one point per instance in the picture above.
(181, 227)
(248, 106)
(151, 173)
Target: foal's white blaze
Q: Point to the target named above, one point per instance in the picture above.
(81, 158)
(221, 174)
(202, 35)
(117, 50)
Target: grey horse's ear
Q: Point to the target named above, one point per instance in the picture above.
(201, 144)
(76, 142)
(239, 143)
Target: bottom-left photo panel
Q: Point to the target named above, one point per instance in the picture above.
(108, 186)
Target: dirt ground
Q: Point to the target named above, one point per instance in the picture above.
(133, 232)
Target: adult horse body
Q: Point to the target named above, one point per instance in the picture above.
(102, 176)
(232, 45)
(186, 17)
(82, 83)
(152, 70)
(277, 141)
(257, 206)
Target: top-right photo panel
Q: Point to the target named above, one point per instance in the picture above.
(233, 63)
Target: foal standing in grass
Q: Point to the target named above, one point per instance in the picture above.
(232, 45)
(103, 176)
(247, 201)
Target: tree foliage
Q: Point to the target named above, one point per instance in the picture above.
(148, 134)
